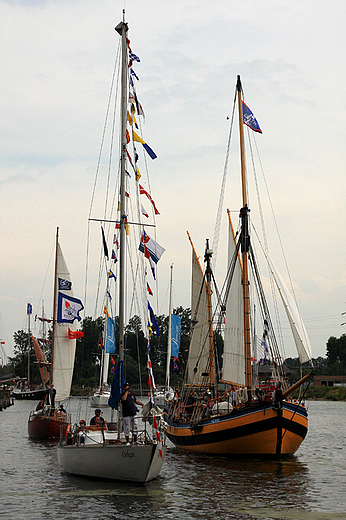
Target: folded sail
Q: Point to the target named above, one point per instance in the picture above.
(198, 351)
(296, 323)
(233, 370)
(40, 358)
(64, 348)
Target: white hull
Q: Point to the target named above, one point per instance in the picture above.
(99, 400)
(135, 463)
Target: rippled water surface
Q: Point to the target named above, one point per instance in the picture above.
(310, 486)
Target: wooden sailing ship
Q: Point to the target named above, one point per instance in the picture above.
(240, 420)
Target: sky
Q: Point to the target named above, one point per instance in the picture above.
(56, 66)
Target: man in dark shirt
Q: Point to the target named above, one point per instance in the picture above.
(130, 422)
(97, 420)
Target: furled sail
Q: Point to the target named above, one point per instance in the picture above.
(233, 370)
(198, 351)
(296, 323)
(63, 347)
(41, 361)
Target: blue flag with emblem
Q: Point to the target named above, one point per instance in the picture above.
(110, 337)
(249, 119)
(176, 331)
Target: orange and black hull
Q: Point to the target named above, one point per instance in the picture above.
(256, 430)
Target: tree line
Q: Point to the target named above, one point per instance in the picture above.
(89, 350)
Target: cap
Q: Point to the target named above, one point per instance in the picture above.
(52, 384)
(98, 410)
(126, 385)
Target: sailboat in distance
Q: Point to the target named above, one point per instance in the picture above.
(102, 451)
(48, 422)
(241, 418)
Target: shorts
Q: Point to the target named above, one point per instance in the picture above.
(130, 423)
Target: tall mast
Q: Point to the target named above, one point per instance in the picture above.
(168, 364)
(44, 343)
(29, 308)
(245, 243)
(122, 28)
(207, 258)
(54, 302)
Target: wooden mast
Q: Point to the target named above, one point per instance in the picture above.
(245, 242)
(207, 259)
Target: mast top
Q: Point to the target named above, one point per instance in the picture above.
(239, 86)
(119, 27)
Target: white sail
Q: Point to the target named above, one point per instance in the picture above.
(233, 369)
(199, 350)
(296, 323)
(63, 347)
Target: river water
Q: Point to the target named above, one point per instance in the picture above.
(310, 486)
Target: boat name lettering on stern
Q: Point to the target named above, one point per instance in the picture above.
(126, 454)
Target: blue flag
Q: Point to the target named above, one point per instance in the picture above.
(249, 119)
(64, 285)
(110, 338)
(105, 248)
(176, 331)
(153, 320)
(132, 72)
(68, 308)
(117, 386)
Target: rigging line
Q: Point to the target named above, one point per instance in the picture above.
(275, 303)
(45, 278)
(275, 221)
(138, 272)
(116, 66)
(272, 341)
(107, 189)
(116, 90)
(139, 212)
(216, 236)
(276, 226)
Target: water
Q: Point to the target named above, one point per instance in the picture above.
(310, 486)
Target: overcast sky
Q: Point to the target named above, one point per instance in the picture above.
(56, 66)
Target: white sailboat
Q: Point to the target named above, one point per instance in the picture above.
(167, 393)
(101, 395)
(102, 451)
(48, 422)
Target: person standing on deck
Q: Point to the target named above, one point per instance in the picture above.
(51, 395)
(130, 421)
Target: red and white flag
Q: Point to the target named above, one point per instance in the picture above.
(158, 437)
(143, 192)
(144, 212)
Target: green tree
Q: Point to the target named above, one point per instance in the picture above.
(87, 349)
(336, 354)
(18, 364)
